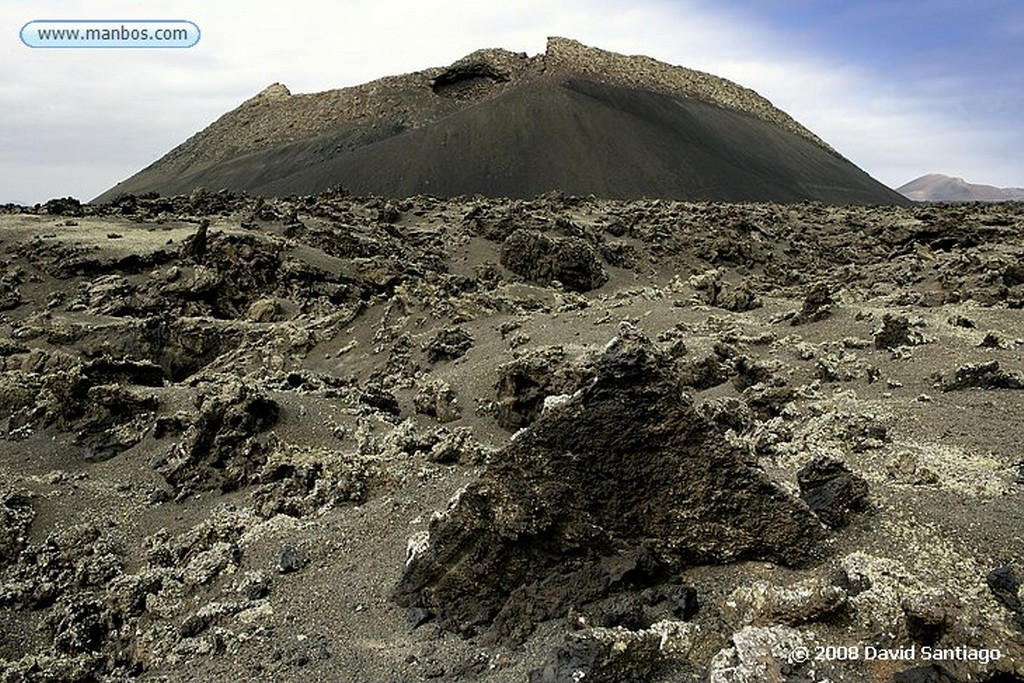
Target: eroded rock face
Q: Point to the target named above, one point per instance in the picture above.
(100, 401)
(524, 384)
(987, 375)
(220, 450)
(543, 259)
(16, 514)
(605, 655)
(625, 468)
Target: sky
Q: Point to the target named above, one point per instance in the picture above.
(899, 87)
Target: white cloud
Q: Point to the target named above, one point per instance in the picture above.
(75, 122)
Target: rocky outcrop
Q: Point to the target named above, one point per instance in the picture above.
(16, 514)
(221, 450)
(570, 261)
(337, 365)
(624, 469)
(987, 375)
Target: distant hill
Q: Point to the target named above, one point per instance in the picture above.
(936, 187)
(497, 123)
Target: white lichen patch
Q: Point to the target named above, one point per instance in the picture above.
(961, 470)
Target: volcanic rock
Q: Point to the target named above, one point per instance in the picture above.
(220, 450)
(16, 516)
(287, 560)
(896, 331)
(576, 119)
(605, 481)
(764, 604)
(1005, 586)
(930, 616)
(93, 400)
(625, 466)
(377, 397)
(448, 344)
(760, 654)
(302, 481)
(817, 306)
(987, 375)
(437, 399)
(605, 655)
(542, 259)
(524, 383)
(832, 490)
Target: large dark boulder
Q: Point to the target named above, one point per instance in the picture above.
(543, 259)
(625, 469)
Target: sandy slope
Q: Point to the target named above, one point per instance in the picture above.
(576, 119)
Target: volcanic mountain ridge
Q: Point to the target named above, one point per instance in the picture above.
(935, 187)
(576, 119)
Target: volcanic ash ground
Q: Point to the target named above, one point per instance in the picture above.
(560, 439)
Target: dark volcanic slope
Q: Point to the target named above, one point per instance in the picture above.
(575, 119)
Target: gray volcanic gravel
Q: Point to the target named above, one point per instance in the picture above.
(352, 438)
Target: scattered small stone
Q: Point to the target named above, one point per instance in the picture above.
(992, 341)
(287, 561)
(832, 490)
(906, 467)
(896, 331)
(518, 339)
(157, 496)
(817, 306)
